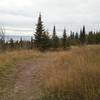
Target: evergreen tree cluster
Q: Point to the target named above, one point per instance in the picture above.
(42, 40)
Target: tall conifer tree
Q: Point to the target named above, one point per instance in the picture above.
(39, 32)
(83, 36)
(41, 38)
(64, 40)
(55, 39)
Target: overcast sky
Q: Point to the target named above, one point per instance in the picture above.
(20, 16)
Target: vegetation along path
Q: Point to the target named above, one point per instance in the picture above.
(51, 75)
(27, 84)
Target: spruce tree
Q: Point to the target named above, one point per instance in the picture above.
(31, 43)
(54, 31)
(55, 39)
(45, 42)
(2, 38)
(72, 35)
(64, 40)
(97, 37)
(21, 43)
(83, 35)
(41, 38)
(76, 36)
(76, 39)
(11, 43)
(39, 32)
(91, 38)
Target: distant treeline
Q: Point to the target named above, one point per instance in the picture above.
(43, 41)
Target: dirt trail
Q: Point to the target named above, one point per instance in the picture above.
(27, 85)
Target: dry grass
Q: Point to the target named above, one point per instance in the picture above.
(8, 57)
(8, 62)
(64, 75)
(72, 75)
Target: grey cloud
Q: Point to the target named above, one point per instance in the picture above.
(71, 14)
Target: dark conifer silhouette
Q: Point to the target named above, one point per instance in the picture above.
(71, 35)
(21, 43)
(41, 38)
(91, 38)
(83, 35)
(11, 43)
(32, 43)
(97, 37)
(45, 42)
(64, 40)
(39, 32)
(76, 36)
(2, 38)
(55, 39)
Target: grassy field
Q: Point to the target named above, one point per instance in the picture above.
(64, 75)
(72, 75)
(8, 61)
